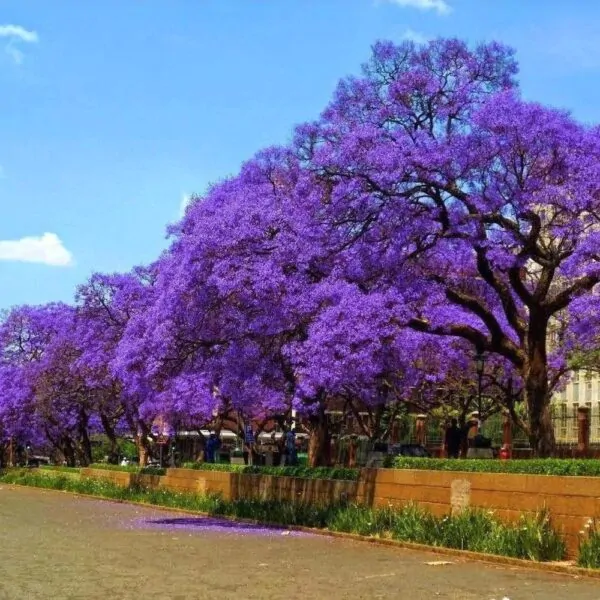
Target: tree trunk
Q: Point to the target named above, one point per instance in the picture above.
(141, 441)
(85, 449)
(537, 392)
(85, 453)
(541, 428)
(109, 430)
(319, 445)
(68, 452)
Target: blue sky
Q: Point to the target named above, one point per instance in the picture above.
(111, 111)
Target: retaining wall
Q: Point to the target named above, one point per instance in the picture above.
(570, 500)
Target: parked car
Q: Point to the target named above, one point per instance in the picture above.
(410, 450)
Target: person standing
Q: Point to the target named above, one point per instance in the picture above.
(211, 448)
(453, 440)
(290, 448)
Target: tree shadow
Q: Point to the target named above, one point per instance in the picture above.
(213, 523)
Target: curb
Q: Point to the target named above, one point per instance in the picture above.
(494, 559)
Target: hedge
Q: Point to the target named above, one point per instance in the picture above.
(59, 468)
(540, 466)
(107, 467)
(302, 472)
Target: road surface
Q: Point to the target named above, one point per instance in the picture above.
(54, 545)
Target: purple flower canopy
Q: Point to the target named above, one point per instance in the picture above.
(428, 213)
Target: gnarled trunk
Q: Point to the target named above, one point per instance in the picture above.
(68, 452)
(113, 444)
(84, 449)
(541, 429)
(319, 443)
(142, 444)
(537, 392)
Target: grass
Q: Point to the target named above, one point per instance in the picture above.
(531, 538)
(541, 466)
(300, 471)
(589, 546)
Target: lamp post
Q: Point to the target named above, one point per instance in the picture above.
(479, 365)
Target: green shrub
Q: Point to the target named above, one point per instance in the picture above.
(152, 471)
(354, 519)
(303, 472)
(541, 466)
(538, 540)
(59, 468)
(531, 538)
(130, 469)
(414, 524)
(110, 467)
(589, 546)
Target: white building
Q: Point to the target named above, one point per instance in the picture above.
(582, 390)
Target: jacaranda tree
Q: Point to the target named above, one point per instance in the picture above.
(480, 209)
(428, 214)
(44, 397)
(104, 307)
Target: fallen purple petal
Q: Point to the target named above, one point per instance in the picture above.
(212, 524)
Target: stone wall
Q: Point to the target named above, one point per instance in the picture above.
(117, 477)
(570, 500)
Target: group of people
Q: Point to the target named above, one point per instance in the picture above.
(457, 438)
(211, 448)
(289, 451)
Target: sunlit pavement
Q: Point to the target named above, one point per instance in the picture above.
(53, 545)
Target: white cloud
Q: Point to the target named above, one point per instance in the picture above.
(185, 201)
(15, 34)
(414, 36)
(441, 6)
(46, 249)
(18, 32)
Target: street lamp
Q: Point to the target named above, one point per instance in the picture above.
(479, 365)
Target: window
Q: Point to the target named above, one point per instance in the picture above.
(573, 434)
(563, 421)
(588, 391)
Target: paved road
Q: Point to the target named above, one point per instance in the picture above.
(56, 546)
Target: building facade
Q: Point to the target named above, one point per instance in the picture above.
(583, 389)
